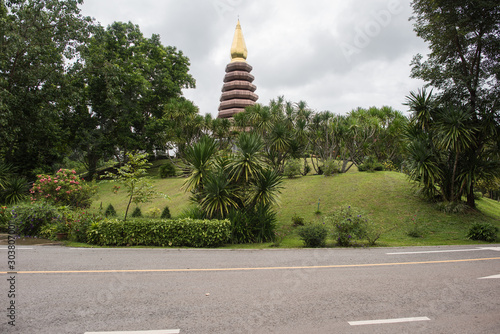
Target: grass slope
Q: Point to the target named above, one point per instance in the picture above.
(387, 199)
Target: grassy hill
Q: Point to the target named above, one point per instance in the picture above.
(387, 199)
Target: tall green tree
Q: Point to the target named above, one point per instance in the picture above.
(130, 82)
(463, 63)
(39, 42)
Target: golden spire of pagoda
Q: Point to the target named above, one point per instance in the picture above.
(238, 48)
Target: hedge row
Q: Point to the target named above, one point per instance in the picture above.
(160, 232)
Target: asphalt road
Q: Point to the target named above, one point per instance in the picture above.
(395, 290)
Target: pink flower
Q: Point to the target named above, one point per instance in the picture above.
(68, 192)
(55, 181)
(58, 188)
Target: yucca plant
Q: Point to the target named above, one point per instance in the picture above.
(218, 195)
(248, 161)
(200, 159)
(265, 188)
(15, 191)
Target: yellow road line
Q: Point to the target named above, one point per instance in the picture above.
(244, 269)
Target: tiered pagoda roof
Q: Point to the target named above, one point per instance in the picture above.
(238, 90)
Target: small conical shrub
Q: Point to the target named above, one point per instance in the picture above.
(110, 211)
(166, 213)
(137, 213)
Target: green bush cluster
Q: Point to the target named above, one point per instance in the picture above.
(110, 211)
(330, 167)
(313, 235)
(256, 224)
(483, 231)
(137, 213)
(159, 232)
(80, 223)
(165, 214)
(370, 165)
(167, 170)
(30, 218)
(347, 225)
(292, 168)
(297, 221)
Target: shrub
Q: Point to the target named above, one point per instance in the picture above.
(193, 212)
(29, 219)
(281, 234)
(110, 211)
(347, 225)
(313, 235)
(483, 231)
(370, 164)
(165, 214)
(264, 220)
(15, 191)
(80, 224)
(241, 232)
(415, 227)
(453, 207)
(292, 168)
(330, 167)
(48, 231)
(156, 232)
(167, 170)
(65, 188)
(154, 212)
(307, 168)
(4, 219)
(137, 212)
(390, 166)
(257, 224)
(297, 221)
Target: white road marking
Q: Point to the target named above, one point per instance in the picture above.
(491, 248)
(387, 321)
(448, 251)
(161, 331)
(492, 276)
(17, 247)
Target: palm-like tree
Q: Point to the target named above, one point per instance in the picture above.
(455, 134)
(199, 158)
(248, 160)
(265, 188)
(218, 195)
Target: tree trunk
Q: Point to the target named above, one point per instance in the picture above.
(470, 197)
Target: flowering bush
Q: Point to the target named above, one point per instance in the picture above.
(80, 223)
(65, 188)
(29, 219)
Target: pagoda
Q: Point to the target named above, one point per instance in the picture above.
(238, 90)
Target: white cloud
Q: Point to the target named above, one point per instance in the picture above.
(335, 55)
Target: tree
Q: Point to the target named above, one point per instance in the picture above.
(464, 62)
(131, 85)
(38, 41)
(133, 176)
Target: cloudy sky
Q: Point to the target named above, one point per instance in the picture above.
(335, 55)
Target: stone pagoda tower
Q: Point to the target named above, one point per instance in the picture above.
(238, 90)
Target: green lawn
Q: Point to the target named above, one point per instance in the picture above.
(387, 199)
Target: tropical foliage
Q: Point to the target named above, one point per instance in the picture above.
(239, 185)
(454, 134)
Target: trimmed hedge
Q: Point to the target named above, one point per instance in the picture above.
(160, 232)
